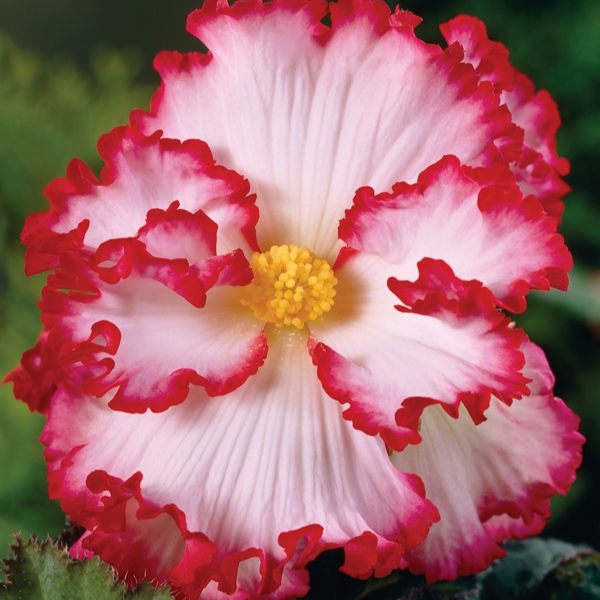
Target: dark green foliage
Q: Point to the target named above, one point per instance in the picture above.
(536, 569)
(44, 571)
(575, 579)
(536, 565)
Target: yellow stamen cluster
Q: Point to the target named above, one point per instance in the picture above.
(291, 286)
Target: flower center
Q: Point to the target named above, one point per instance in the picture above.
(291, 286)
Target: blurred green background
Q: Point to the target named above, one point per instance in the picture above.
(72, 70)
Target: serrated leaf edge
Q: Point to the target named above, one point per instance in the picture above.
(63, 554)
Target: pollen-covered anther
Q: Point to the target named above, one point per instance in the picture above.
(291, 286)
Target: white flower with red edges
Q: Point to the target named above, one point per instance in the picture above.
(228, 396)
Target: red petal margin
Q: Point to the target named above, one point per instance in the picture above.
(526, 511)
(200, 18)
(489, 58)
(34, 380)
(123, 527)
(72, 218)
(439, 294)
(532, 447)
(92, 344)
(538, 167)
(495, 119)
(378, 13)
(176, 233)
(485, 239)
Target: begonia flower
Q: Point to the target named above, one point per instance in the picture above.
(238, 394)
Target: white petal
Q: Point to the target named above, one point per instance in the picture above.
(275, 456)
(509, 465)
(309, 117)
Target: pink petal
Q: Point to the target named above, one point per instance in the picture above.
(139, 320)
(483, 229)
(537, 114)
(141, 173)
(537, 177)
(492, 481)
(446, 344)
(261, 480)
(34, 380)
(538, 167)
(504, 527)
(309, 114)
(175, 233)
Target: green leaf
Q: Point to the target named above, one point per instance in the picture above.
(401, 585)
(538, 564)
(575, 579)
(44, 571)
(528, 567)
(536, 569)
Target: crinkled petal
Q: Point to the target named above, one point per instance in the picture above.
(537, 114)
(141, 173)
(504, 527)
(489, 58)
(538, 167)
(263, 479)
(148, 323)
(492, 481)
(310, 114)
(536, 177)
(34, 380)
(447, 344)
(176, 233)
(483, 230)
